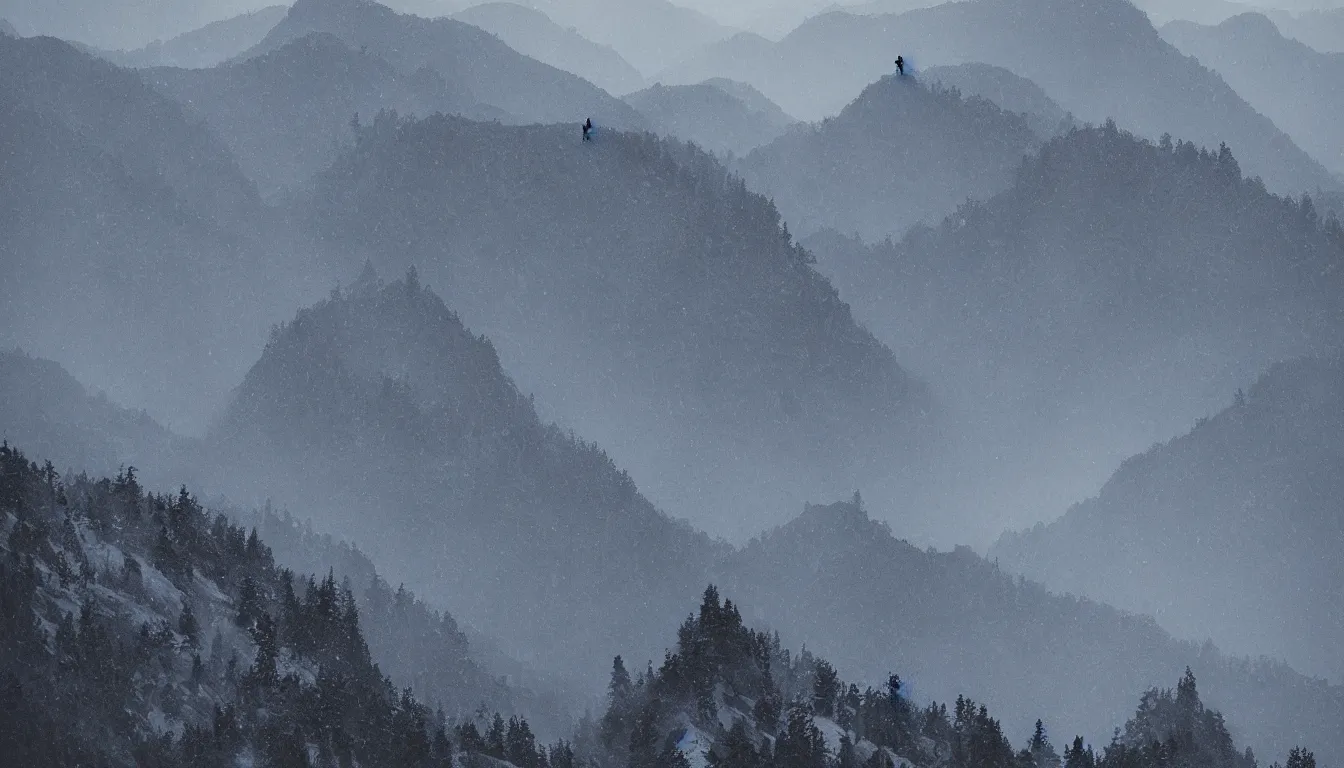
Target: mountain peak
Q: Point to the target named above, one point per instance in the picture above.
(1252, 23)
(343, 10)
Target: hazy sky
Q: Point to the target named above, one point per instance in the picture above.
(133, 23)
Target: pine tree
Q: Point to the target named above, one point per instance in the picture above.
(846, 757)
(801, 744)
(1043, 754)
(825, 689)
(1301, 758)
(736, 750)
(615, 727)
(187, 626)
(1078, 756)
(494, 738)
(264, 671)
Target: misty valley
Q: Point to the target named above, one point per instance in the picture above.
(672, 384)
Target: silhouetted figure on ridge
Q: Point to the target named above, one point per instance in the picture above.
(588, 129)
(900, 64)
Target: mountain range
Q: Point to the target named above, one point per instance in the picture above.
(138, 223)
(722, 117)
(1118, 290)
(532, 33)
(1255, 483)
(1280, 77)
(652, 294)
(466, 57)
(212, 44)
(1098, 59)
(901, 154)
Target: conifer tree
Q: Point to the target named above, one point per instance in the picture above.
(187, 626)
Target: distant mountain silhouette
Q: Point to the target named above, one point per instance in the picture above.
(205, 47)
(1099, 59)
(1117, 291)
(42, 406)
(710, 116)
(1321, 29)
(754, 99)
(7, 29)
(1197, 11)
(465, 56)
(119, 24)
(902, 153)
(380, 415)
(1258, 483)
(745, 57)
(648, 294)
(532, 33)
(286, 114)
(950, 621)
(1283, 79)
(136, 223)
(1010, 92)
(650, 34)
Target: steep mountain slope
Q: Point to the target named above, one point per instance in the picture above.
(7, 29)
(648, 300)
(286, 114)
(1099, 59)
(414, 643)
(1115, 293)
(1197, 11)
(708, 115)
(532, 33)
(953, 622)
(650, 34)
(465, 56)
(138, 630)
(745, 56)
(1010, 92)
(1258, 483)
(134, 249)
(119, 24)
(382, 417)
(43, 406)
(901, 154)
(1321, 29)
(754, 99)
(205, 47)
(1282, 78)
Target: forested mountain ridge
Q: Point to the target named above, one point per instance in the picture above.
(139, 630)
(730, 696)
(212, 44)
(43, 406)
(416, 644)
(1101, 304)
(1282, 78)
(533, 33)
(1009, 91)
(710, 116)
(380, 416)
(842, 584)
(1259, 482)
(139, 225)
(119, 116)
(287, 114)
(465, 56)
(902, 153)
(650, 293)
(1099, 59)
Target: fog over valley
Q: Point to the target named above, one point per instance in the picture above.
(672, 383)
